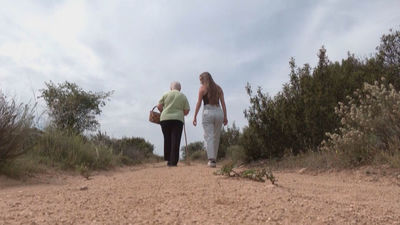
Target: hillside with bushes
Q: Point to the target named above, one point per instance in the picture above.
(63, 144)
(337, 114)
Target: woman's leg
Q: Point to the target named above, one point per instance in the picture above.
(166, 130)
(208, 126)
(176, 134)
(218, 120)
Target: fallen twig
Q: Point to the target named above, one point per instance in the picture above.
(259, 175)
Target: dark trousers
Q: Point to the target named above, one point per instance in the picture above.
(172, 131)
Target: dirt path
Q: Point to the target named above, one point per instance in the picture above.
(155, 194)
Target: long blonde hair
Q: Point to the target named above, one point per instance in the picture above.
(212, 88)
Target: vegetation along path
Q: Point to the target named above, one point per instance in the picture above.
(192, 194)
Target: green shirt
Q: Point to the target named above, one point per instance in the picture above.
(174, 102)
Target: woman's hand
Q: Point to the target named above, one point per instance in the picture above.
(160, 107)
(222, 99)
(202, 92)
(185, 112)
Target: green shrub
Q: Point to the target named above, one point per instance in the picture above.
(15, 129)
(252, 144)
(236, 153)
(192, 148)
(229, 137)
(200, 155)
(133, 150)
(22, 166)
(370, 125)
(137, 149)
(71, 150)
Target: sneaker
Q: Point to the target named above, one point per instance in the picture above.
(211, 163)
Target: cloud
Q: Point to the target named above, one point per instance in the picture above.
(138, 47)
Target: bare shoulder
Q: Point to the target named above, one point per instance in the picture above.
(202, 89)
(220, 91)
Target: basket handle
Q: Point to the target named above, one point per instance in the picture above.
(154, 108)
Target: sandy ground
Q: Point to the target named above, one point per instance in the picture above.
(155, 194)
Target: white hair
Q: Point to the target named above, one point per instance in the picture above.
(175, 86)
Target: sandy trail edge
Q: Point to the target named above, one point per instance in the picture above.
(155, 194)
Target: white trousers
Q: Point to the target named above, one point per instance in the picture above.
(212, 120)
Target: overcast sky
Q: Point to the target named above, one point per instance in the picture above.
(136, 48)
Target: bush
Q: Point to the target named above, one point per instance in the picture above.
(22, 166)
(236, 153)
(252, 144)
(299, 115)
(229, 137)
(73, 150)
(15, 129)
(132, 150)
(193, 148)
(200, 155)
(370, 125)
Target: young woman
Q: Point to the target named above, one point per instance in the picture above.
(213, 116)
(173, 107)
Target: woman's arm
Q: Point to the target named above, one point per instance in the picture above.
(160, 107)
(221, 98)
(202, 91)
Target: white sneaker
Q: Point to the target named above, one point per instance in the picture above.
(211, 163)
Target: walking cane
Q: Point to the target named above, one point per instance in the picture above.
(186, 150)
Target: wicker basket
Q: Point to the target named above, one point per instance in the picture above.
(154, 116)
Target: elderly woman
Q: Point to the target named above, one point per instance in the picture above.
(173, 107)
(213, 117)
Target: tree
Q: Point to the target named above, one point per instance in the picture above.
(264, 131)
(389, 49)
(389, 55)
(72, 108)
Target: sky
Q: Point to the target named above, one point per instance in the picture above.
(137, 48)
